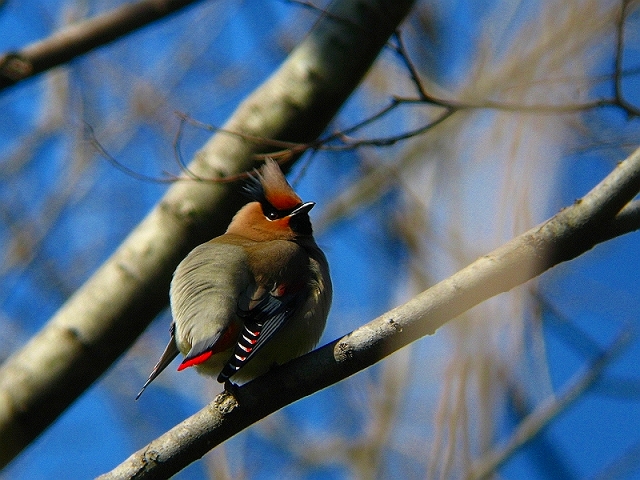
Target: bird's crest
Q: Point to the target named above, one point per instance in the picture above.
(270, 185)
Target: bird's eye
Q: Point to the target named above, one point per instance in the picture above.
(270, 212)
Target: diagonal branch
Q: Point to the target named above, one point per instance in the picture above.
(570, 233)
(104, 317)
(80, 38)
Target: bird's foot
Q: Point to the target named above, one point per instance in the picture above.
(230, 387)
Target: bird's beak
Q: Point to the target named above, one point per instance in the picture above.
(304, 208)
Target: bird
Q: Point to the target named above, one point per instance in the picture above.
(256, 296)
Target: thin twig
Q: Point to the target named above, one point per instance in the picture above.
(178, 152)
(91, 137)
(351, 143)
(401, 50)
(617, 71)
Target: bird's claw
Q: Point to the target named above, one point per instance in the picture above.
(230, 387)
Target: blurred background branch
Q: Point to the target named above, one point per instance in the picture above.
(82, 37)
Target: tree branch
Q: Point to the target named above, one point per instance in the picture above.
(80, 38)
(571, 232)
(103, 318)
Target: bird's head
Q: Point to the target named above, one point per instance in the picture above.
(275, 212)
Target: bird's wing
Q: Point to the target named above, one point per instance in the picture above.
(260, 323)
(204, 293)
(170, 352)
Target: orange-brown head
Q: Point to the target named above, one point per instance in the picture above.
(276, 211)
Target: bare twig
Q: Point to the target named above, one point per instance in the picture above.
(401, 50)
(91, 137)
(349, 143)
(618, 68)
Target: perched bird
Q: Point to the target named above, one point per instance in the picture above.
(254, 297)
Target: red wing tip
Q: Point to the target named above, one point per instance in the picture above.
(197, 360)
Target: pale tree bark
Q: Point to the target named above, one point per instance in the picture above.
(104, 317)
(604, 213)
